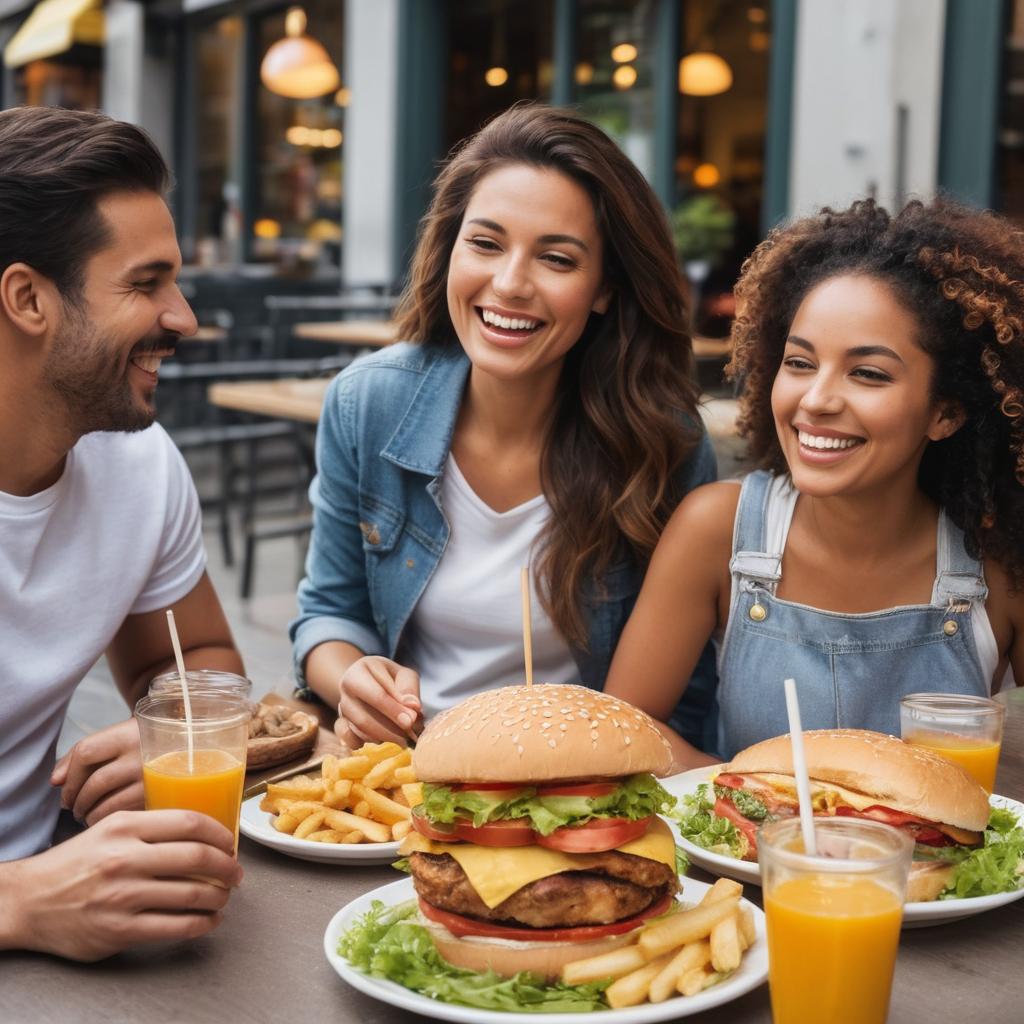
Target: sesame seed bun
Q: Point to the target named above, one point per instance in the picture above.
(540, 732)
(900, 776)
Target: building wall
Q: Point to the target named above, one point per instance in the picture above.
(867, 101)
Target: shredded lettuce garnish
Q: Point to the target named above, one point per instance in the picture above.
(996, 866)
(637, 797)
(695, 817)
(387, 942)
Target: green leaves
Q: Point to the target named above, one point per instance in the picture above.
(697, 821)
(637, 797)
(387, 942)
(997, 866)
(746, 803)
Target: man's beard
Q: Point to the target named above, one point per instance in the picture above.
(95, 390)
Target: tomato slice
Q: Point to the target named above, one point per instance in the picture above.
(727, 809)
(921, 829)
(439, 833)
(595, 836)
(462, 926)
(578, 789)
(513, 832)
(486, 787)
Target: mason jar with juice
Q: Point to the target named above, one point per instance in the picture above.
(833, 919)
(197, 765)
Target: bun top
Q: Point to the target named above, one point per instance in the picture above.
(540, 732)
(901, 776)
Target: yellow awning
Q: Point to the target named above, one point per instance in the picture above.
(53, 27)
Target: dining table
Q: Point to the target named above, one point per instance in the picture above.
(265, 963)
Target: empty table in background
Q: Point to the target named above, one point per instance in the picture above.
(359, 333)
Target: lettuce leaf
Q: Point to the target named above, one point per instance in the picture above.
(996, 866)
(696, 819)
(387, 942)
(638, 796)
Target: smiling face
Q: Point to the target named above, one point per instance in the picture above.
(106, 352)
(852, 399)
(525, 272)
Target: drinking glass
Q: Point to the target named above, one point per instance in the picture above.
(212, 779)
(965, 729)
(833, 919)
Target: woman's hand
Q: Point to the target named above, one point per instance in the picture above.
(137, 876)
(380, 700)
(102, 773)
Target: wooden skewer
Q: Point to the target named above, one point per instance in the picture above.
(524, 586)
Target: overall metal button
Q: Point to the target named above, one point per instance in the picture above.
(758, 612)
(949, 627)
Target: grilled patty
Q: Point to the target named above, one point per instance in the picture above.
(618, 886)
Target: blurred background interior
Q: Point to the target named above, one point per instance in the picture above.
(303, 141)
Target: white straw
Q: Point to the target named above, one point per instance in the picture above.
(176, 644)
(524, 587)
(803, 784)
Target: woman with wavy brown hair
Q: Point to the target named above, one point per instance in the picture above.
(542, 412)
(879, 548)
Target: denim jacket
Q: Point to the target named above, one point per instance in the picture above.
(379, 531)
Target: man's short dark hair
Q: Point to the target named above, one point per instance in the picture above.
(55, 167)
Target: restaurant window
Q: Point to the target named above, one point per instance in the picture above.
(1010, 152)
(500, 52)
(218, 56)
(613, 73)
(720, 146)
(299, 145)
(73, 80)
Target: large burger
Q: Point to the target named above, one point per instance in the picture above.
(860, 774)
(538, 841)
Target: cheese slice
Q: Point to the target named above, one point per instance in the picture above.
(496, 872)
(786, 785)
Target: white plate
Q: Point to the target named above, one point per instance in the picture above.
(915, 915)
(258, 826)
(752, 972)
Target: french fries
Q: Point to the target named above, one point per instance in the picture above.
(366, 797)
(682, 953)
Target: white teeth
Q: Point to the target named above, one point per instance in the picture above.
(816, 441)
(151, 364)
(508, 323)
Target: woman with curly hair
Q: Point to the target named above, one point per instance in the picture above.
(542, 411)
(879, 548)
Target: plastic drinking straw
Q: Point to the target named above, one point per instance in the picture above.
(803, 783)
(524, 587)
(176, 644)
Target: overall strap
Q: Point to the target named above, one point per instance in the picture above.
(960, 579)
(751, 562)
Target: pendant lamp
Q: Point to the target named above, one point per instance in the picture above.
(297, 66)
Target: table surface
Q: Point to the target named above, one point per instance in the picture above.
(289, 398)
(266, 963)
(360, 333)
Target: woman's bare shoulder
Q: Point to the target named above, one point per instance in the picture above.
(706, 514)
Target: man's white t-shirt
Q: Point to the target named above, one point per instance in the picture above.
(118, 534)
(465, 633)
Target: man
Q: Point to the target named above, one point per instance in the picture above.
(99, 535)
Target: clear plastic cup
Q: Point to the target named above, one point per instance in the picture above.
(202, 679)
(213, 779)
(833, 919)
(964, 729)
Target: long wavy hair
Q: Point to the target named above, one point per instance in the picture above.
(960, 272)
(626, 413)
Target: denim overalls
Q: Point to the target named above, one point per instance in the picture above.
(850, 669)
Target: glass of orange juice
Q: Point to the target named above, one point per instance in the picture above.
(212, 778)
(201, 679)
(833, 919)
(960, 727)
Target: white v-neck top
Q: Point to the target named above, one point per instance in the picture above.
(465, 633)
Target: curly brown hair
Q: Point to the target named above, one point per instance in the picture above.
(960, 271)
(626, 416)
